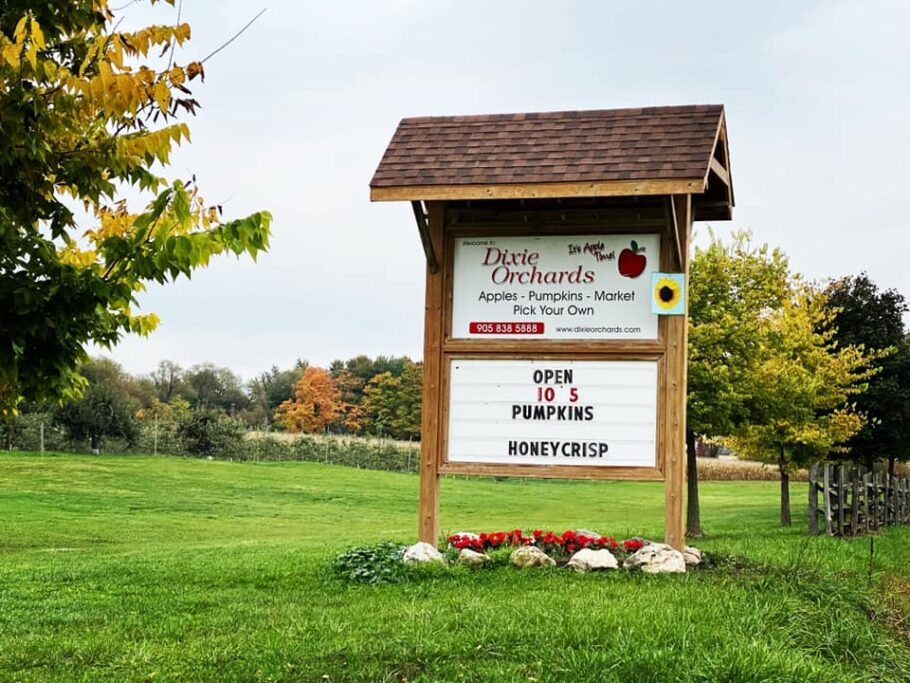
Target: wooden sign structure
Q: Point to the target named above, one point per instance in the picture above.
(543, 235)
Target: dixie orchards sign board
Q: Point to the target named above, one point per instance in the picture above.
(555, 328)
(546, 412)
(554, 287)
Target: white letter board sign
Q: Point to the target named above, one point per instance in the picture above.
(553, 412)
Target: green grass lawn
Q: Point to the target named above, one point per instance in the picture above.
(150, 569)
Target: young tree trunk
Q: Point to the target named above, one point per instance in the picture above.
(784, 491)
(693, 509)
(891, 462)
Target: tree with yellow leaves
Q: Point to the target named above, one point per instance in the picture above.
(798, 387)
(392, 404)
(86, 110)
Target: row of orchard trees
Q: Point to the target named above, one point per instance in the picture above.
(791, 372)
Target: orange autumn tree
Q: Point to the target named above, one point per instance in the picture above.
(351, 414)
(316, 404)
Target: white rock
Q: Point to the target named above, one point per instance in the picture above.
(692, 556)
(530, 556)
(657, 558)
(472, 558)
(422, 552)
(588, 560)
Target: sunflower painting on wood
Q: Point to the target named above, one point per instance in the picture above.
(668, 294)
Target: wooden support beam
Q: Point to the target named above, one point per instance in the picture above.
(674, 412)
(720, 171)
(612, 188)
(423, 229)
(430, 428)
(674, 228)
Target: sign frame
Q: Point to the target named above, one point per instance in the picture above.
(549, 349)
(671, 218)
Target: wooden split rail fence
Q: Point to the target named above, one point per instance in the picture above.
(856, 501)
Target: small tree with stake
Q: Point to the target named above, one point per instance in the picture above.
(731, 287)
(800, 385)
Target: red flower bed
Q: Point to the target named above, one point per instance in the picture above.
(555, 545)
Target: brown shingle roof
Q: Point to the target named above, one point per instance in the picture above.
(654, 143)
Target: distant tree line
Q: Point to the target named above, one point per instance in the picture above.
(206, 409)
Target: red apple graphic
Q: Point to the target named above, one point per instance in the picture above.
(632, 261)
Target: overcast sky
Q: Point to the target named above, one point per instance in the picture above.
(298, 111)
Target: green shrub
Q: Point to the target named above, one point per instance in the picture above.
(374, 564)
(264, 448)
(210, 432)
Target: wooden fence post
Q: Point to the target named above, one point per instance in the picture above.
(901, 501)
(883, 491)
(873, 499)
(854, 501)
(866, 480)
(906, 501)
(841, 500)
(902, 498)
(898, 500)
(826, 499)
(877, 488)
(813, 499)
(887, 499)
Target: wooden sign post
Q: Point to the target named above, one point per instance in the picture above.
(557, 252)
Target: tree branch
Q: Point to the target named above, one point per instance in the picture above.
(235, 36)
